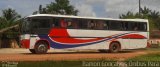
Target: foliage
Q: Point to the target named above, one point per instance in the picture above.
(9, 19)
(145, 13)
(62, 7)
(147, 57)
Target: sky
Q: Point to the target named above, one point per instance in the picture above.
(90, 8)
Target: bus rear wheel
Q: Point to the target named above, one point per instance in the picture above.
(41, 47)
(114, 47)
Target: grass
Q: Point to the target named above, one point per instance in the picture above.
(51, 64)
(79, 63)
(147, 57)
(153, 55)
(71, 63)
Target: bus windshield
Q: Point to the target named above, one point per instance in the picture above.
(34, 26)
(25, 26)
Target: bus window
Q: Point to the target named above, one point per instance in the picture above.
(114, 25)
(83, 23)
(75, 23)
(40, 23)
(55, 22)
(70, 24)
(143, 26)
(63, 23)
(40, 26)
(133, 26)
(105, 26)
(137, 26)
(99, 24)
(90, 24)
(124, 26)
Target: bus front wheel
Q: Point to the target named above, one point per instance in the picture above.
(41, 47)
(114, 47)
(32, 51)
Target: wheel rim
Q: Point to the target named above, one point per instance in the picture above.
(41, 48)
(115, 47)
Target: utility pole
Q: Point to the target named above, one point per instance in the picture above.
(139, 7)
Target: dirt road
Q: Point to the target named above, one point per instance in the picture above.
(25, 55)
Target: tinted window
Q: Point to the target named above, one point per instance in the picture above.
(115, 25)
(143, 27)
(137, 26)
(40, 26)
(56, 22)
(40, 23)
(82, 23)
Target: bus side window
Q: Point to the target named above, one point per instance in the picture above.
(63, 23)
(70, 24)
(90, 24)
(75, 23)
(55, 22)
(114, 25)
(106, 25)
(143, 26)
(100, 24)
(125, 26)
(134, 26)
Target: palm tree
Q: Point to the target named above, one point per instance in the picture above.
(10, 19)
(129, 14)
(154, 14)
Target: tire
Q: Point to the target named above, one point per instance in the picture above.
(114, 47)
(41, 47)
(32, 51)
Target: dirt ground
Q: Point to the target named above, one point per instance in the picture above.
(58, 55)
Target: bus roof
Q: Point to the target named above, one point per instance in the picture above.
(71, 16)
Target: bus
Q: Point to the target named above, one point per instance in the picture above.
(42, 32)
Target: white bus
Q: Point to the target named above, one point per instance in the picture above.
(42, 32)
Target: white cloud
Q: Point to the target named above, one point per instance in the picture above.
(116, 7)
(85, 10)
(93, 2)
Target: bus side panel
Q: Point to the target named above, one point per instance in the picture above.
(91, 39)
(132, 42)
(95, 34)
(139, 43)
(101, 45)
(135, 42)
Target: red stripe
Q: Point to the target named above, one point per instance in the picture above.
(65, 37)
(133, 36)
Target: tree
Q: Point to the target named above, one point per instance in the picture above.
(9, 17)
(62, 7)
(130, 15)
(9, 21)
